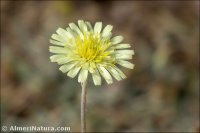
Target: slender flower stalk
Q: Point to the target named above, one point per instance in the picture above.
(82, 50)
(83, 106)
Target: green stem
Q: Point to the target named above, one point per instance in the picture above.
(83, 107)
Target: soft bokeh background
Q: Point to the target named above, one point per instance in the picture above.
(160, 94)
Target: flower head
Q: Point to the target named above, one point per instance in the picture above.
(83, 49)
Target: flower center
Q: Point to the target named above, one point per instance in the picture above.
(92, 48)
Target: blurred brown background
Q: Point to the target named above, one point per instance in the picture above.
(160, 94)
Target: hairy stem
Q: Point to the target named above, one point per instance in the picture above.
(83, 106)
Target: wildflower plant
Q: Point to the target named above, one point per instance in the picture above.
(82, 50)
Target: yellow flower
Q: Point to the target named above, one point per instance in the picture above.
(83, 49)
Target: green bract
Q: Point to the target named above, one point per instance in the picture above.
(83, 49)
